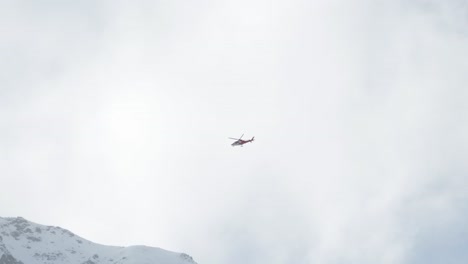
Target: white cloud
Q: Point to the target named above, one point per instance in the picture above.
(116, 118)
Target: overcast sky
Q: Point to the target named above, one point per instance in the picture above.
(115, 118)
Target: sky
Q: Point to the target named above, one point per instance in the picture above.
(115, 118)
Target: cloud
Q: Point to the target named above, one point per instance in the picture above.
(116, 117)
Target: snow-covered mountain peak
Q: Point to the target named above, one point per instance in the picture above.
(22, 241)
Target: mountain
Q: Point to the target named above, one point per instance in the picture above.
(24, 242)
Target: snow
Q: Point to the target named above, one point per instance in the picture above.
(22, 241)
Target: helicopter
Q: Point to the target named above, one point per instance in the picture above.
(240, 141)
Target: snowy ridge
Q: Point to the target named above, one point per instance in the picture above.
(24, 242)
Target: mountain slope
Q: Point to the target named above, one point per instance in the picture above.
(24, 242)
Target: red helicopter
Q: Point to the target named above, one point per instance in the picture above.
(240, 141)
